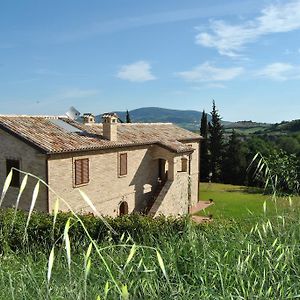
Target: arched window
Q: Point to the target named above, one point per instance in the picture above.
(123, 208)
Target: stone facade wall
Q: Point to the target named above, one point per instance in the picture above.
(179, 194)
(31, 161)
(106, 189)
(194, 173)
(173, 199)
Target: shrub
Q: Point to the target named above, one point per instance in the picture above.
(41, 234)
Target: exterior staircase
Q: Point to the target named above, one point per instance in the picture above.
(150, 203)
(157, 201)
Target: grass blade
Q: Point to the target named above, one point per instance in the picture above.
(91, 205)
(50, 264)
(131, 254)
(33, 201)
(67, 243)
(161, 264)
(6, 186)
(23, 185)
(106, 289)
(88, 252)
(55, 212)
(125, 294)
(87, 268)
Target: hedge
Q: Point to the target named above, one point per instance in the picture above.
(40, 232)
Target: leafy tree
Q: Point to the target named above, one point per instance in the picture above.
(128, 119)
(215, 144)
(204, 156)
(279, 171)
(289, 144)
(293, 126)
(234, 161)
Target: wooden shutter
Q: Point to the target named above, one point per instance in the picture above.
(183, 165)
(13, 163)
(123, 164)
(81, 171)
(85, 171)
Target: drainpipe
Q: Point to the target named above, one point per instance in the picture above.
(47, 181)
(199, 165)
(171, 169)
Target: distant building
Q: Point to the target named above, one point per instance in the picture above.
(137, 167)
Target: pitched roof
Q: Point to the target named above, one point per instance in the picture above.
(60, 134)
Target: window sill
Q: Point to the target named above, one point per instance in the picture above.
(121, 176)
(80, 185)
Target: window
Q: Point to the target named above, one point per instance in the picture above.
(82, 175)
(123, 164)
(13, 163)
(184, 165)
(123, 209)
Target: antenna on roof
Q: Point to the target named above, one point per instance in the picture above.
(72, 113)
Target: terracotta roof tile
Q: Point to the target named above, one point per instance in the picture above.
(46, 135)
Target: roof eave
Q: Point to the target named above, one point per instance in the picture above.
(23, 139)
(193, 139)
(112, 147)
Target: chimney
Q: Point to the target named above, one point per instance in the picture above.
(110, 126)
(88, 118)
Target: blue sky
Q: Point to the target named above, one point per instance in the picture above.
(114, 55)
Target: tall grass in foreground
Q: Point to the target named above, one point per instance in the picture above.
(215, 261)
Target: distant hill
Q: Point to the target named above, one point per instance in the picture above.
(246, 124)
(189, 119)
(250, 127)
(286, 127)
(246, 127)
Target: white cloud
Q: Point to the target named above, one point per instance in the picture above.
(280, 71)
(216, 86)
(230, 39)
(209, 86)
(139, 71)
(206, 72)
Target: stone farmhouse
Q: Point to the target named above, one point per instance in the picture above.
(152, 168)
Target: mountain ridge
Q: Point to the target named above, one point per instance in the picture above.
(190, 119)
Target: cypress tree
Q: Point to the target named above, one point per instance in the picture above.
(204, 157)
(215, 144)
(128, 119)
(234, 168)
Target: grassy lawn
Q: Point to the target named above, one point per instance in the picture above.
(239, 202)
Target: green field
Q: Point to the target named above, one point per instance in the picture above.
(245, 131)
(239, 202)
